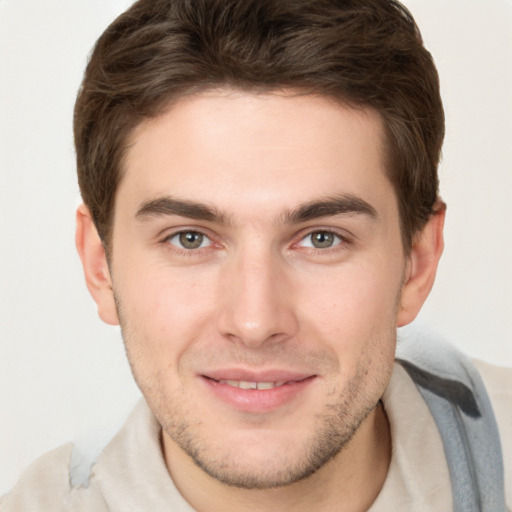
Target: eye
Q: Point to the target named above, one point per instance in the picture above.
(189, 240)
(321, 240)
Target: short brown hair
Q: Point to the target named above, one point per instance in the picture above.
(366, 53)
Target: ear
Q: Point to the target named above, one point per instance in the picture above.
(422, 265)
(94, 262)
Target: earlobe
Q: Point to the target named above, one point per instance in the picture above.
(424, 258)
(95, 265)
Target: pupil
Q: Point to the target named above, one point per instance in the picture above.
(322, 239)
(191, 240)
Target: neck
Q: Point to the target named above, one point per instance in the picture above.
(349, 482)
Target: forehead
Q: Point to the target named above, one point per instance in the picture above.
(245, 150)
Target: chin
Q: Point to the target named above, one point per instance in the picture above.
(257, 460)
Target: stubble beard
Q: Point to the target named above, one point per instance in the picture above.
(334, 427)
(333, 430)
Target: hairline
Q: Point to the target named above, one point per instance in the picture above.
(165, 105)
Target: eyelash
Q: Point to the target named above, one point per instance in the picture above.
(341, 242)
(338, 239)
(182, 251)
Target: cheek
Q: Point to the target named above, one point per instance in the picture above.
(166, 308)
(353, 309)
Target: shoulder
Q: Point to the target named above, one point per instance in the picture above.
(77, 476)
(498, 382)
(47, 486)
(44, 486)
(497, 379)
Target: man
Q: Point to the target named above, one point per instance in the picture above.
(260, 214)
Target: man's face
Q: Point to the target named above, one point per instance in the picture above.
(257, 267)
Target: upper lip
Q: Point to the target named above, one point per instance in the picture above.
(271, 375)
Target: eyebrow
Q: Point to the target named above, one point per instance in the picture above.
(335, 205)
(347, 204)
(167, 206)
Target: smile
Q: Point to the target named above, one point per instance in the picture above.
(247, 392)
(243, 384)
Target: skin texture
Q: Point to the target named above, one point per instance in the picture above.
(257, 236)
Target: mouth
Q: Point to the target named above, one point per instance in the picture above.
(253, 393)
(245, 384)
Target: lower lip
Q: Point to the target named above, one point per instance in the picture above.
(258, 400)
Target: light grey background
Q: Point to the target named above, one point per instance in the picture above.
(62, 372)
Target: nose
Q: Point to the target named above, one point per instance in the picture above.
(257, 305)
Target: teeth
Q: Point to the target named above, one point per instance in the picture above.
(243, 384)
(247, 385)
(266, 385)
